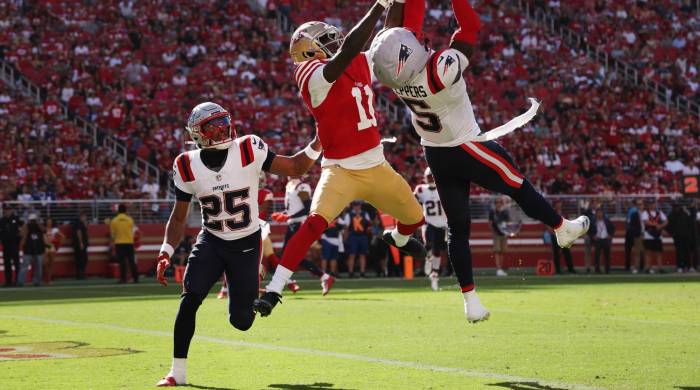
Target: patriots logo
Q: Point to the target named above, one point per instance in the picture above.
(448, 62)
(404, 53)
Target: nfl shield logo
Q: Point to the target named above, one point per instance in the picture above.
(218, 177)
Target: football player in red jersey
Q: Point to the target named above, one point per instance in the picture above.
(335, 81)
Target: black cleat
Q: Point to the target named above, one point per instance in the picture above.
(412, 248)
(266, 303)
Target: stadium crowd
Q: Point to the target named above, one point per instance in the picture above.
(137, 68)
(660, 38)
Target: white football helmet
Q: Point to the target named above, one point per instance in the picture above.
(210, 126)
(397, 57)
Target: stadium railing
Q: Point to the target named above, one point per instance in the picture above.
(158, 210)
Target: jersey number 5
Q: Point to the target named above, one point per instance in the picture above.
(366, 121)
(240, 213)
(431, 122)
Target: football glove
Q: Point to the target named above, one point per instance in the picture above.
(163, 264)
(280, 217)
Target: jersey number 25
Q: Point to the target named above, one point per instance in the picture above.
(240, 213)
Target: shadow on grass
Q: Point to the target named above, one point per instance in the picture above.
(313, 386)
(687, 387)
(105, 290)
(524, 386)
(193, 386)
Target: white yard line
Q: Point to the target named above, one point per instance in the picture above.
(314, 352)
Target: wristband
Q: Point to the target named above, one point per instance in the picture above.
(167, 249)
(311, 153)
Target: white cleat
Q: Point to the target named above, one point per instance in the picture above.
(473, 309)
(570, 231)
(501, 272)
(434, 279)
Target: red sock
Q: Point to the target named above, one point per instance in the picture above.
(273, 261)
(408, 230)
(413, 16)
(468, 20)
(301, 241)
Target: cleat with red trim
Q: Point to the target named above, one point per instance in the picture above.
(570, 231)
(293, 286)
(473, 309)
(168, 381)
(326, 284)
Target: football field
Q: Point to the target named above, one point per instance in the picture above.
(617, 332)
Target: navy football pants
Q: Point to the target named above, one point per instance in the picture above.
(210, 257)
(490, 166)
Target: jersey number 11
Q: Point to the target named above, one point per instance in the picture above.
(366, 121)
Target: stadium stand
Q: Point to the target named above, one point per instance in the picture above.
(136, 69)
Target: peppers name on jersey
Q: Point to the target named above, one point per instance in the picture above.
(441, 111)
(229, 197)
(432, 208)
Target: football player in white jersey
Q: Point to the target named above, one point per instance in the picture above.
(223, 175)
(431, 84)
(297, 201)
(435, 228)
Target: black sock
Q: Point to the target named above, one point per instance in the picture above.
(184, 324)
(536, 206)
(312, 267)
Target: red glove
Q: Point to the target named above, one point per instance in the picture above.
(280, 217)
(163, 264)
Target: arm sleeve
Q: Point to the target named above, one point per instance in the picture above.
(468, 20)
(413, 16)
(309, 78)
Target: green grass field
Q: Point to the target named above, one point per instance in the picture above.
(544, 333)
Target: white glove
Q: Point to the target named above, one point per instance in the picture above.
(400, 1)
(385, 3)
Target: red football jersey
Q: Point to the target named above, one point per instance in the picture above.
(344, 110)
(263, 195)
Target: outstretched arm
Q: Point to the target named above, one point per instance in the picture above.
(298, 164)
(394, 18)
(464, 39)
(354, 42)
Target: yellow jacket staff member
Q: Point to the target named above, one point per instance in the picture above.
(122, 232)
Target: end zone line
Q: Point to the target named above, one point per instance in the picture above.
(315, 352)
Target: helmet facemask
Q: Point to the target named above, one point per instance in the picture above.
(216, 133)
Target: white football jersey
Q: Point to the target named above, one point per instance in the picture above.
(441, 111)
(432, 208)
(229, 197)
(292, 201)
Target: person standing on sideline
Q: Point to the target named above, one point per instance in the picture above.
(556, 249)
(601, 232)
(497, 216)
(34, 247)
(680, 226)
(633, 236)
(10, 225)
(53, 239)
(122, 233)
(654, 222)
(80, 245)
(358, 241)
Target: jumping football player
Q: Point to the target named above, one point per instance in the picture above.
(335, 81)
(223, 175)
(434, 231)
(431, 84)
(297, 200)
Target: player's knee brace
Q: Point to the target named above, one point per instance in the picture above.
(241, 319)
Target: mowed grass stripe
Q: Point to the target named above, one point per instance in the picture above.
(307, 351)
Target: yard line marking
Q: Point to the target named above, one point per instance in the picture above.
(315, 352)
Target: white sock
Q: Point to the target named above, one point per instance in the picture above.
(325, 277)
(470, 296)
(224, 289)
(178, 370)
(436, 262)
(399, 238)
(279, 280)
